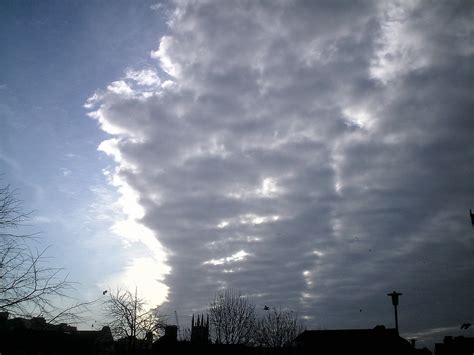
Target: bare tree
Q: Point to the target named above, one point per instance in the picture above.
(11, 213)
(129, 317)
(28, 284)
(277, 328)
(233, 318)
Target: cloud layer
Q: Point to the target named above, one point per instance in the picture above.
(315, 155)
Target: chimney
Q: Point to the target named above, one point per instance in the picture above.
(171, 333)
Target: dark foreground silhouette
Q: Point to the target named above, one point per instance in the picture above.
(20, 336)
(379, 340)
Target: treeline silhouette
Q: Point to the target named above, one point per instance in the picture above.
(32, 323)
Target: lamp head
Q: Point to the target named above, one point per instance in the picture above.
(394, 296)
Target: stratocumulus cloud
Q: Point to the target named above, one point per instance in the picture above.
(318, 154)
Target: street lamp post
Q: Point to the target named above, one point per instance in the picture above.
(395, 296)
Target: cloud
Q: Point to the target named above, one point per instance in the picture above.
(322, 148)
(239, 256)
(65, 171)
(156, 7)
(139, 259)
(146, 77)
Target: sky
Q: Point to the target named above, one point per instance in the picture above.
(315, 155)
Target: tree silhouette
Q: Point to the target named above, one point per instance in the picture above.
(28, 284)
(128, 317)
(233, 318)
(277, 328)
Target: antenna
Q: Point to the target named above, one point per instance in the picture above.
(177, 322)
(176, 316)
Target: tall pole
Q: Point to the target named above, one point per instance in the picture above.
(396, 317)
(395, 296)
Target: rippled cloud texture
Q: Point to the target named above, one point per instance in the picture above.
(313, 154)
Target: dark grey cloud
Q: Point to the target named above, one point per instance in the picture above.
(315, 155)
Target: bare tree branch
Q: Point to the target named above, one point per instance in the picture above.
(128, 317)
(29, 286)
(277, 328)
(233, 318)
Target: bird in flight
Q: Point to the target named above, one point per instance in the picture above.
(104, 292)
(266, 308)
(465, 325)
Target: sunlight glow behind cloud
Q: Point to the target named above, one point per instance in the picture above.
(239, 256)
(147, 272)
(309, 139)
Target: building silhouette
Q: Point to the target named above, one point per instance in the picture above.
(455, 346)
(19, 336)
(200, 330)
(379, 340)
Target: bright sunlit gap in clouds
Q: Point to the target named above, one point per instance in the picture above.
(239, 256)
(294, 161)
(144, 272)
